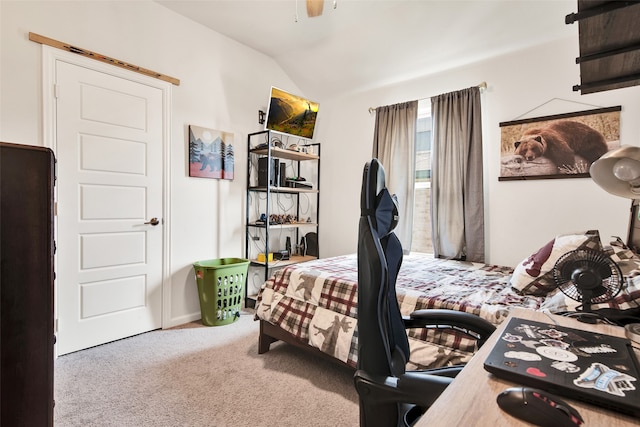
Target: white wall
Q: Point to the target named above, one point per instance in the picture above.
(223, 84)
(521, 216)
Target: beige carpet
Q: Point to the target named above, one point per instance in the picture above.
(201, 376)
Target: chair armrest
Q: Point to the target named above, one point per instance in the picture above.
(467, 323)
(418, 388)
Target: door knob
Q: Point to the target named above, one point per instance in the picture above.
(153, 221)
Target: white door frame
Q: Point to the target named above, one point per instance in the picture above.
(49, 57)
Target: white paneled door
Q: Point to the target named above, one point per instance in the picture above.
(109, 238)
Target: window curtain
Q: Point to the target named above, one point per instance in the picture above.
(457, 208)
(394, 145)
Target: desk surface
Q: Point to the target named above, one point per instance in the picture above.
(471, 398)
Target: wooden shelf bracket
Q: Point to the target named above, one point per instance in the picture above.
(102, 58)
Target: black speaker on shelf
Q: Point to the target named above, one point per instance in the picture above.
(311, 244)
(268, 177)
(283, 174)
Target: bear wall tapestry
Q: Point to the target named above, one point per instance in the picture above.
(559, 146)
(210, 153)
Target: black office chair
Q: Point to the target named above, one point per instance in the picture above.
(390, 396)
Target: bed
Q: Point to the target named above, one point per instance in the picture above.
(314, 304)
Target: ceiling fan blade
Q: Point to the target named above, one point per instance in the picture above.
(314, 8)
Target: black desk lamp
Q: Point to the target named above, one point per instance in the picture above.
(618, 172)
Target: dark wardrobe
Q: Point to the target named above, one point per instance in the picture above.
(27, 249)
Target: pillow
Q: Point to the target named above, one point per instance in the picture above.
(534, 275)
(629, 296)
(626, 259)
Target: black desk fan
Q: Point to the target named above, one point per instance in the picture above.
(589, 277)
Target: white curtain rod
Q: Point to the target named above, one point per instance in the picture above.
(482, 86)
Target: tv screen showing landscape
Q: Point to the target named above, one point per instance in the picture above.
(291, 114)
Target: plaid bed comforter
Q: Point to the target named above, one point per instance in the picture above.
(316, 301)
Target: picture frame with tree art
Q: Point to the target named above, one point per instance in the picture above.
(211, 153)
(557, 146)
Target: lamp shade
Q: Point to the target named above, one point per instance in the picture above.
(618, 172)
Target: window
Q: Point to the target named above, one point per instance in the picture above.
(421, 239)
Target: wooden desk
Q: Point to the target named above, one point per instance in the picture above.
(471, 399)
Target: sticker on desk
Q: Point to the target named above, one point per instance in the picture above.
(511, 338)
(528, 330)
(599, 349)
(553, 333)
(523, 355)
(536, 372)
(567, 367)
(602, 378)
(554, 353)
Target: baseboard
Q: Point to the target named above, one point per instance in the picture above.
(177, 321)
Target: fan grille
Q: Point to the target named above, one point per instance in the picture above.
(587, 276)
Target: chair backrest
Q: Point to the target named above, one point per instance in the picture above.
(383, 347)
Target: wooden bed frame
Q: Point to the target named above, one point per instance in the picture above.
(270, 333)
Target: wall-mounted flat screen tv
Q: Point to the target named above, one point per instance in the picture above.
(291, 114)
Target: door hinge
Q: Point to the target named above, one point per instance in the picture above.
(56, 91)
(55, 326)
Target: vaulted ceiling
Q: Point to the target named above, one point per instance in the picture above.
(363, 44)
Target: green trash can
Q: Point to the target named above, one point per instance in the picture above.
(221, 286)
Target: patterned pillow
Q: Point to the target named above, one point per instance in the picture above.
(534, 275)
(629, 296)
(626, 259)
